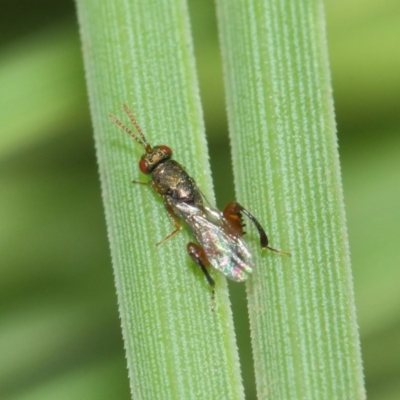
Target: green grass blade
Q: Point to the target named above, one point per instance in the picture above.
(140, 53)
(302, 313)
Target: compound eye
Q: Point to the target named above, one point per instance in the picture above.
(166, 149)
(144, 167)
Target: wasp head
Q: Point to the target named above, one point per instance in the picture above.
(154, 156)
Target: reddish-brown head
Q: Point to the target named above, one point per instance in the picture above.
(154, 156)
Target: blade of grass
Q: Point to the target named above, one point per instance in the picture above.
(302, 313)
(140, 53)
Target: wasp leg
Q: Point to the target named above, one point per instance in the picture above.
(233, 213)
(143, 183)
(175, 221)
(199, 257)
(170, 212)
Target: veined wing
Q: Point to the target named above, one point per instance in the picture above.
(225, 249)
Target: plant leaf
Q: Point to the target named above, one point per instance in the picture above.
(140, 53)
(285, 159)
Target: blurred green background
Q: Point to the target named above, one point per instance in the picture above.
(59, 329)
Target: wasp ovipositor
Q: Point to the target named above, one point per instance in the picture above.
(219, 235)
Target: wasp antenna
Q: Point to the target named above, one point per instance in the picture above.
(137, 127)
(129, 132)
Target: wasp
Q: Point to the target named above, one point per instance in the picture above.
(219, 235)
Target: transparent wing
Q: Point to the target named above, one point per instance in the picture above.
(226, 251)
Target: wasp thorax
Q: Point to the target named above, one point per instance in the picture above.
(153, 157)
